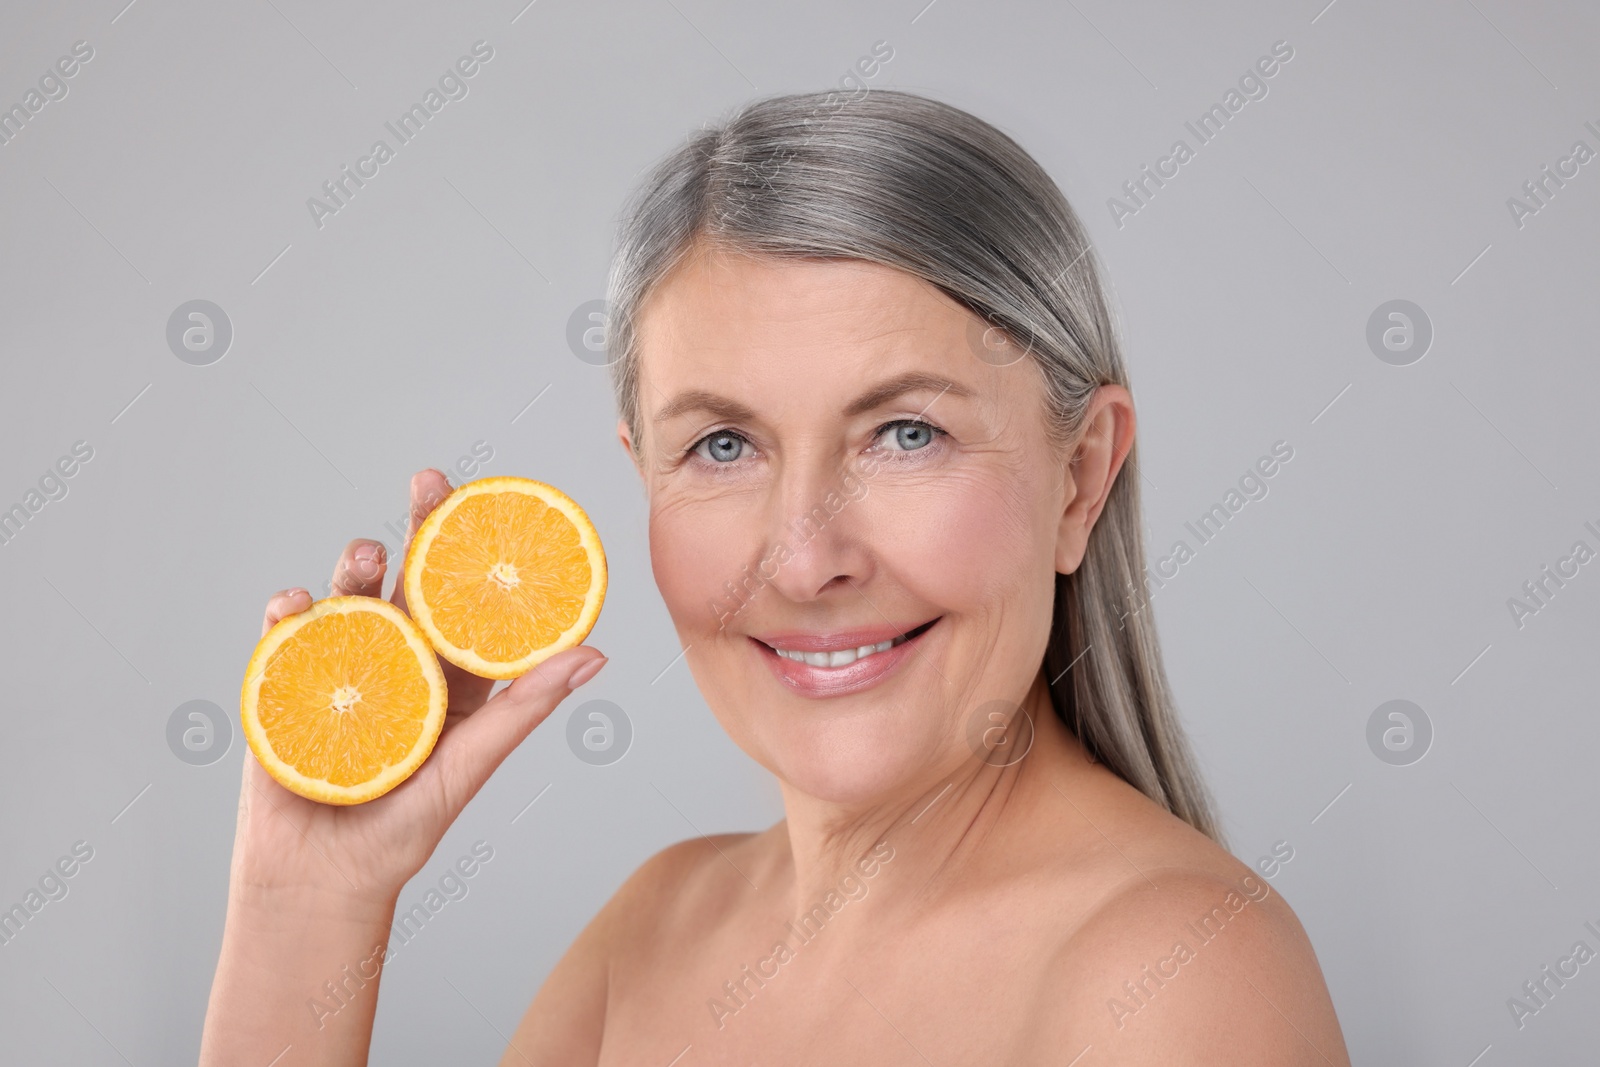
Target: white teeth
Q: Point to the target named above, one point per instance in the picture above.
(842, 657)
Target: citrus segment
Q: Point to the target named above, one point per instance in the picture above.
(503, 574)
(343, 701)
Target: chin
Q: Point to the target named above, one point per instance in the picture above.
(853, 758)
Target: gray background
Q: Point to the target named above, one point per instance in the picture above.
(428, 313)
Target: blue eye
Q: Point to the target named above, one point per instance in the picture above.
(904, 435)
(909, 435)
(720, 447)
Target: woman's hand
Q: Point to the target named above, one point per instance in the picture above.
(367, 852)
(313, 887)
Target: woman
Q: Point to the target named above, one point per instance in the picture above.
(866, 372)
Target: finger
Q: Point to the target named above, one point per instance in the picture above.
(280, 605)
(428, 489)
(360, 569)
(470, 751)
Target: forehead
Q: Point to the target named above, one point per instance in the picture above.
(806, 342)
(721, 308)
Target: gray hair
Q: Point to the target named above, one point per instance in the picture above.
(894, 178)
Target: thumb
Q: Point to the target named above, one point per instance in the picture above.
(471, 750)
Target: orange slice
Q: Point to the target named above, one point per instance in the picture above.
(344, 700)
(503, 574)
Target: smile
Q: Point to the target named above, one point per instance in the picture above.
(836, 663)
(839, 657)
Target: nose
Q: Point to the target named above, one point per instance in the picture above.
(820, 516)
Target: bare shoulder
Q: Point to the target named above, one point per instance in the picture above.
(1186, 956)
(676, 890)
(567, 1018)
(699, 875)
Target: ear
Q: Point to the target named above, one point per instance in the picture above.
(1096, 459)
(626, 437)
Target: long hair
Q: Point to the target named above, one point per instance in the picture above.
(898, 179)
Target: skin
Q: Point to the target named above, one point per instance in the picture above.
(974, 904)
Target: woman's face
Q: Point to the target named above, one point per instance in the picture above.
(831, 465)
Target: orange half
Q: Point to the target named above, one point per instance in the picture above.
(343, 701)
(503, 574)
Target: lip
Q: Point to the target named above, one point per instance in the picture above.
(835, 640)
(812, 681)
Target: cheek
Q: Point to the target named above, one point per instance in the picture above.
(696, 547)
(962, 539)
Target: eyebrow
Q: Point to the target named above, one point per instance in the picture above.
(724, 408)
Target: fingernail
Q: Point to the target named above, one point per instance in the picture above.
(369, 553)
(587, 670)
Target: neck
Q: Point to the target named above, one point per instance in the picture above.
(940, 823)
